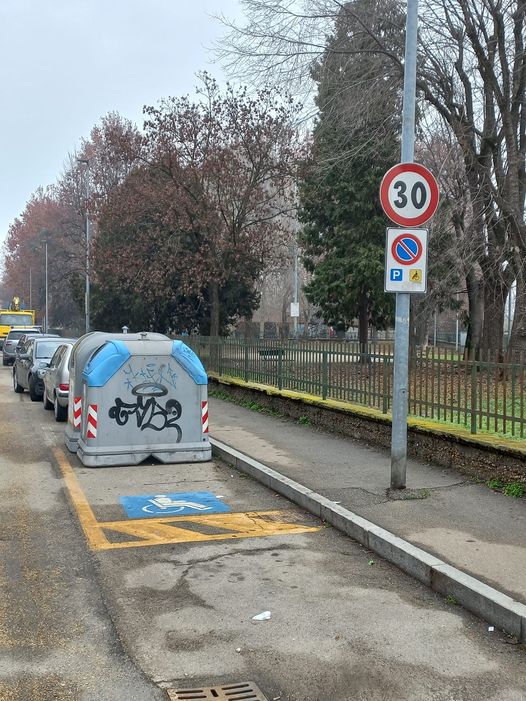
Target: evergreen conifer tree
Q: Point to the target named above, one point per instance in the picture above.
(355, 141)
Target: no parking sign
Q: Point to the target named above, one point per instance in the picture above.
(406, 260)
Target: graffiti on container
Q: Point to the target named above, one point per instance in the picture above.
(148, 411)
(161, 374)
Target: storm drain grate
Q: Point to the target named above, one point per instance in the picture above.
(243, 691)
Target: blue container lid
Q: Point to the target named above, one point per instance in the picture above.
(189, 361)
(105, 362)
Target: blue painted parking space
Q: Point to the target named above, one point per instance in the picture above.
(176, 504)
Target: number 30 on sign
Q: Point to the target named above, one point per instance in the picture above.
(409, 194)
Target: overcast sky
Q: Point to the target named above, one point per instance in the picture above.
(66, 63)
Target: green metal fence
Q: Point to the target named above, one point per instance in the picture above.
(484, 395)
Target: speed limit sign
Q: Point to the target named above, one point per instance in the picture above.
(409, 194)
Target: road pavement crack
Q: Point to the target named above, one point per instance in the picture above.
(231, 553)
(419, 493)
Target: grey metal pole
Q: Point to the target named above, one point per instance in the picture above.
(401, 356)
(88, 324)
(456, 328)
(46, 325)
(295, 286)
(30, 289)
(85, 161)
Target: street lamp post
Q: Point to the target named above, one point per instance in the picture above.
(296, 308)
(43, 236)
(46, 327)
(87, 224)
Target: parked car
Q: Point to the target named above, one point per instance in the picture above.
(32, 359)
(12, 339)
(56, 382)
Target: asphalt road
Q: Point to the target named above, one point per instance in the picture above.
(442, 511)
(99, 605)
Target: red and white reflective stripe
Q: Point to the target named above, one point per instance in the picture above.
(92, 421)
(77, 412)
(204, 416)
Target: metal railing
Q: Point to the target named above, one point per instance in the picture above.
(483, 395)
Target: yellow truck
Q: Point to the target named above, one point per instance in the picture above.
(14, 316)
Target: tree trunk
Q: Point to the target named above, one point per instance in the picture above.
(475, 313)
(214, 326)
(284, 326)
(517, 345)
(214, 309)
(419, 323)
(363, 325)
(495, 293)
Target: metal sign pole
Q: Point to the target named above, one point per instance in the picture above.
(401, 356)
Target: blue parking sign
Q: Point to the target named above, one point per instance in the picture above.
(177, 504)
(396, 274)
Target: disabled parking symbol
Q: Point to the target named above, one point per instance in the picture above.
(177, 504)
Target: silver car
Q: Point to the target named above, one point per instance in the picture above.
(56, 382)
(33, 354)
(12, 339)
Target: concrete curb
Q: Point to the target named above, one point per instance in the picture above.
(416, 424)
(489, 604)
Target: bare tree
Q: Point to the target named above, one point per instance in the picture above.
(472, 74)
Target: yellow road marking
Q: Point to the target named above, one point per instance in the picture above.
(170, 529)
(251, 524)
(95, 537)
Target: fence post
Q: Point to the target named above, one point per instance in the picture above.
(245, 368)
(280, 368)
(473, 396)
(324, 374)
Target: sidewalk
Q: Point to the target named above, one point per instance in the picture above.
(467, 525)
